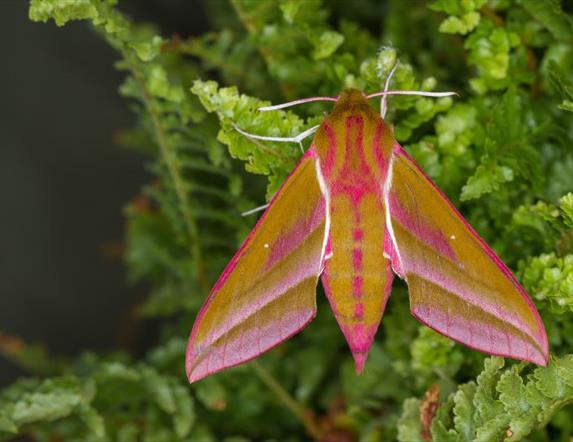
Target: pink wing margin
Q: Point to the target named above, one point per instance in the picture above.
(457, 284)
(267, 292)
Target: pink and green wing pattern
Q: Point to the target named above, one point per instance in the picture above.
(457, 285)
(356, 210)
(267, 292)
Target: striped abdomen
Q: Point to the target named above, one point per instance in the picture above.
(357, 276)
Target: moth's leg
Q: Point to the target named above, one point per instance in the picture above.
(298, 139)
(255, 210)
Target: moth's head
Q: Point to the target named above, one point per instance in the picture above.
(352, 101)
(351, 96)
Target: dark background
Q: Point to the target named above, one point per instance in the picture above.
(63, 182)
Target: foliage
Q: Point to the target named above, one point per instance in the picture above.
(499, 405)
(501, 151)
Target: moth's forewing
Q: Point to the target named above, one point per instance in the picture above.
(267, 292)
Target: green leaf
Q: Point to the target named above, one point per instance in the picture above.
(456, 7)
(464, 411)
(550, 279)
(184, 417)
(409, 425)
(564, 367)
(550, 15)
(93, 420)
(212, 394)
(148, 50)
(490, 52)
(487, 178)
(49, 400)
(506, 404)
(7, 425)
(562, 84)
(486, 406)
(57, 398)
(159, 85)
(507, 150)
(325, 44)
(161, 390)
(63, 11)
(241, 111)
(432, 352)
(441, 422)
(290, 8)
(460, 25)
(512, 392)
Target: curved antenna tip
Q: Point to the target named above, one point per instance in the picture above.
(295, 102)
(419, 93)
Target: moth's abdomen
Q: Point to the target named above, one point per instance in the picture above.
(357, 275)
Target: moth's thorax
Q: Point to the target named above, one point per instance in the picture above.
(352, 102)
(353, 143)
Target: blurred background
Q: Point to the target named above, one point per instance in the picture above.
(63, 185)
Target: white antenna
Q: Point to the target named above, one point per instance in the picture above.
(298, 139)
(386, 86)
(295, 102)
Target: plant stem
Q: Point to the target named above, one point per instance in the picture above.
(169, 157)
(288, 401)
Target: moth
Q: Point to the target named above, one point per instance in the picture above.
(355, 211)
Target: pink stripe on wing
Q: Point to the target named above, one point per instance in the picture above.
(310, 153)
(290, 240)
(493, 341)
(398, 150)
(419, 228)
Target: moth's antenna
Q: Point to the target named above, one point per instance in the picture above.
(386, 86)
(295, 102)
(255, 210)
(384, 94)
(421, 93)
(298, 139)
